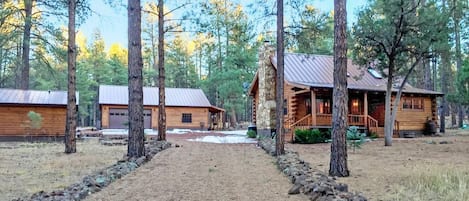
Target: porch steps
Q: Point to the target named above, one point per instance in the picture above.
(288, 135)
(380, 132)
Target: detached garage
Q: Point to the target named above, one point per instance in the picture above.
(118, 118)
(31, 113)
(185, 108)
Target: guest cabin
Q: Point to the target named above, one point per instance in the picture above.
(32, 113)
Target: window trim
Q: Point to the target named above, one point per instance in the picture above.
(186, 118)
(326, 106)
(413, 104)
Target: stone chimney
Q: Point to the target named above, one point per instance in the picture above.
(265, 112)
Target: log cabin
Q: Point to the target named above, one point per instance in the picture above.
(185, 108)
(15, 123)
(308, 97)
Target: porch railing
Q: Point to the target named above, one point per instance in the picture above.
(372, 124)
(303, 123)
(356, 120)
(396, 128)
(353, 120)
(288, 122)
(326, 120)
(323, 119)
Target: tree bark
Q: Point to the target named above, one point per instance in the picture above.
(338, 164)
(428, 74)
(445, 60)
(457, 38)
(71, 124)
(136, 135)
(28, 7)
(161, 75)
(388, 125)
(279, 138)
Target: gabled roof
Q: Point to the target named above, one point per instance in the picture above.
(317, 71)
(118, 95)
(33, 97)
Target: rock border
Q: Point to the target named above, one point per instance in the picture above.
(317, 185)
(97, 181)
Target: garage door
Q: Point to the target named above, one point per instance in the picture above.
(118, 118)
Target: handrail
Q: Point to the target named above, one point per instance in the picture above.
(396, 127)
(301, 122)
(372, 124)
(288, 122)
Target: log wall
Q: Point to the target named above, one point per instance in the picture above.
(200, 115)
(14, 120)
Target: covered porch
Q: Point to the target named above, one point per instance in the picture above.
(215, 118)
(312, 108)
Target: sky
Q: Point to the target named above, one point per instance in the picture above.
(112, 21)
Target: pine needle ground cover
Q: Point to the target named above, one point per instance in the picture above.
(411, 169)
(27, 168)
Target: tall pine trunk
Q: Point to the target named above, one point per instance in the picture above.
(388, 122)
(457, 38)
(136, 135)
(445, 60)
(161, 75)
(28, 7)
(279, 138)
(71, 124)
(338, 164)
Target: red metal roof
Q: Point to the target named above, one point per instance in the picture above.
(118, 95)
(317, 71)
(33, 97)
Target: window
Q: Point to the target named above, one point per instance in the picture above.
(356, 106)
(412, 103)
(375, 73)
(323, 106)
(186, 118)
(285, 107)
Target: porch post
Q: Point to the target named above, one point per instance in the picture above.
(313, 108)
(365, 107)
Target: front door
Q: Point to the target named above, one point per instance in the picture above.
(376, 110)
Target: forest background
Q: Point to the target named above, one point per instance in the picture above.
(210, 44)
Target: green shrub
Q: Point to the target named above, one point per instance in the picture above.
(308, 136)
(373, 135)
(35, 120)
(355, 138)
(251, 134)
(328, 134)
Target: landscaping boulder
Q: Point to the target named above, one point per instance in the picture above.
(97, 181)
(314, 183)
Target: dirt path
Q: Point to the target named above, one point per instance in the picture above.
(203, 171)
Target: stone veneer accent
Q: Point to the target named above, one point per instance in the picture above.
(265, 112)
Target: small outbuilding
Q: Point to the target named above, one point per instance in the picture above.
(32, 113)
(185, 108)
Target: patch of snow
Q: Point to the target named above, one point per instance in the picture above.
(224, 139)
(179, 131)
(125, 132)
(236, 132)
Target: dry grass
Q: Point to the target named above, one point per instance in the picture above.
(27, 168)
(434, 183)
(404, 170)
